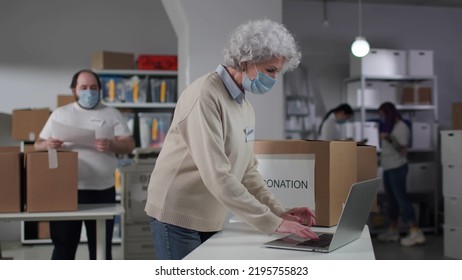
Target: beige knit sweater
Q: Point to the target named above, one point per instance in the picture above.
(206, 167)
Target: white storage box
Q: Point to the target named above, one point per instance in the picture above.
(451, 146)
(375, 93)
(420, 63)
(453, 211)
(452, 180)
(452, 244)
(379, 62)
(371, 94)
(371, 133)
(421, 177)
(421, 135)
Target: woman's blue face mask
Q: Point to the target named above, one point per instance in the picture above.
(262, 83)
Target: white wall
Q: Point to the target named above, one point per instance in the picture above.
(326, 49)
(204, 26)
(45, 42)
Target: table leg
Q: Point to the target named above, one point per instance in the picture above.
(101, 239)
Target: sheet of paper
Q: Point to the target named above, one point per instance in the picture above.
(72, 134)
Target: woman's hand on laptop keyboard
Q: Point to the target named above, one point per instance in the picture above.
(296, 228)
(302, 215)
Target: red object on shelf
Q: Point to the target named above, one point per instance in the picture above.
(157, 62)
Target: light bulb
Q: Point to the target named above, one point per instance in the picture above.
(360, 47)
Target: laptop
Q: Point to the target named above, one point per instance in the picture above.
(351, 224)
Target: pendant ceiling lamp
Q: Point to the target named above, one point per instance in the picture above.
(360, 46)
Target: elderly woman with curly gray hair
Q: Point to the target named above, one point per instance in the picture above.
(207, 167)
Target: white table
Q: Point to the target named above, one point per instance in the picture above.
(239, 241)
(98, 212)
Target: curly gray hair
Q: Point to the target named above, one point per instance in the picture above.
(260, 40)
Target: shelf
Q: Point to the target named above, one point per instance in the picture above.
(391, 78)
(128, 72)
(166, 105)
(298, 114)
(402, 107)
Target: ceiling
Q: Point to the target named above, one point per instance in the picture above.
(435, 3)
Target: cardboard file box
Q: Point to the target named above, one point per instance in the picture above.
(375, 93)
(452, 210)
(28, 123)
(366, 167)
(421, 177)
(316, 174)
(421, 135)
(354, 130)
(452, 180)
(422, 96)
(451, 147)
(112, 60)
(379, 62)
(10, 183)
(452, 244)
(420, 63)
(456, 115)
(55, 189)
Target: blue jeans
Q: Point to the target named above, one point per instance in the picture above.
(395, 187)
(173, 242)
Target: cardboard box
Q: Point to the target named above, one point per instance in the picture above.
(28, 123)
(48, 189)
(43, 230)
(330, 170)
(456, 115)
(423, 96)
(63, 99)
(366, 166)
(112, 60)
(157, 62)
(10, 183)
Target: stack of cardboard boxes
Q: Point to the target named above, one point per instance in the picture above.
(27, 183)
(317, 174)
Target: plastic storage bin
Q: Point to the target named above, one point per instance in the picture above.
(130, 119)
(163, 90)
(153, 128)
(130, 90)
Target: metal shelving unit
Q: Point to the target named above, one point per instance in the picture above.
(419, 112)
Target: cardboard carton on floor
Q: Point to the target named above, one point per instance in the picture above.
(51, 189)
(28, 123)
(316, 174)
(10, 183)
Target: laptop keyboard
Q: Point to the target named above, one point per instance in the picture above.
(323, 241)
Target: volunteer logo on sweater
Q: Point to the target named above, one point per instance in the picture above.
(290, 177)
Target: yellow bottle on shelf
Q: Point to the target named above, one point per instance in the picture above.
(163, 91)
(111, 90)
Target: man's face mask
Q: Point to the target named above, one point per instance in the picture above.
(88, 98)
